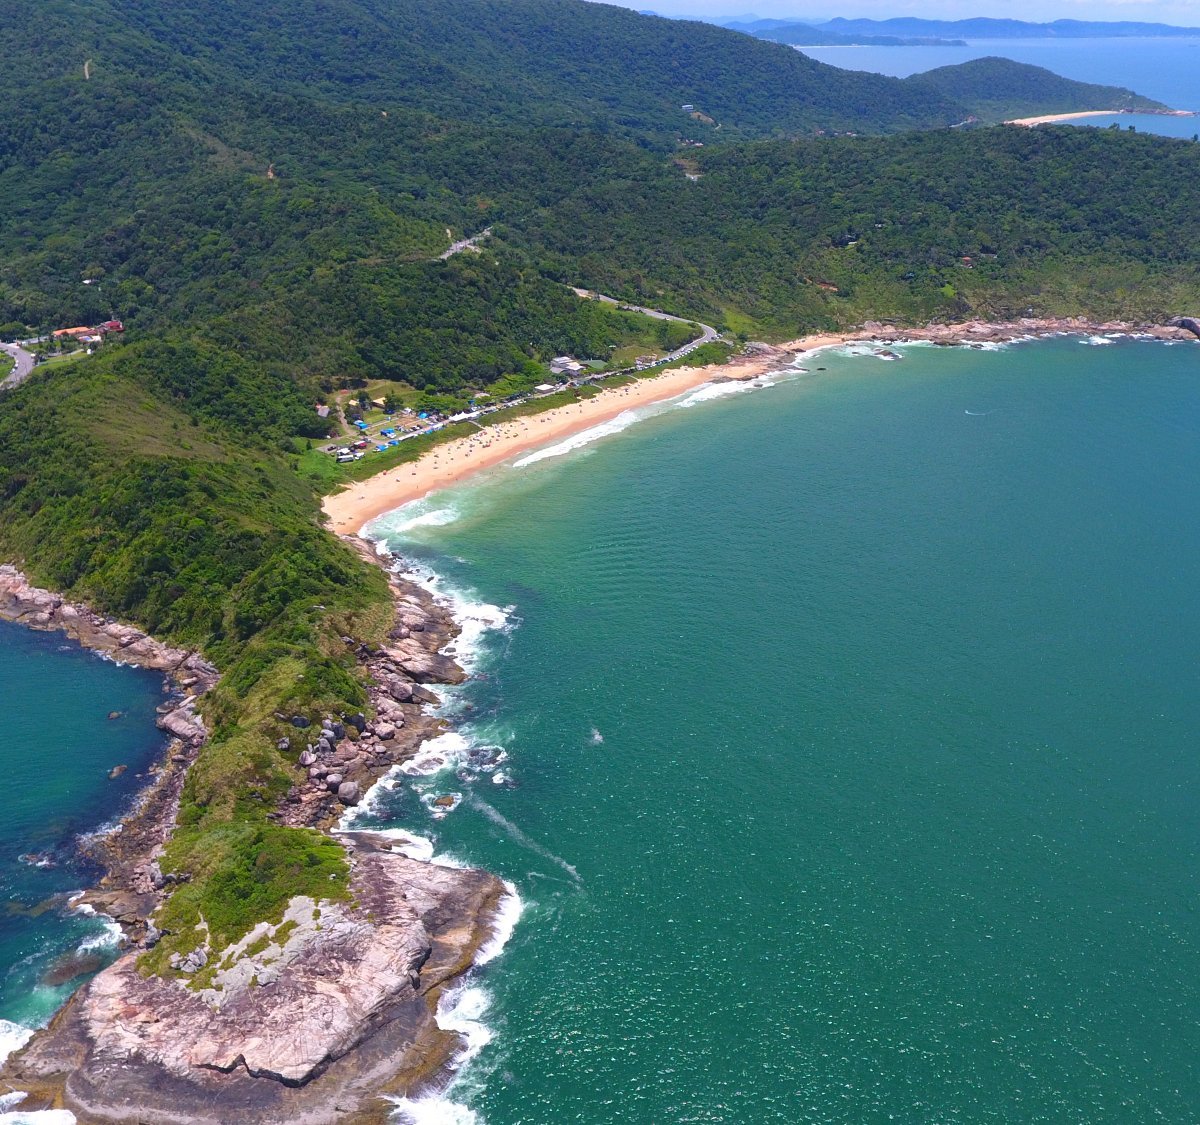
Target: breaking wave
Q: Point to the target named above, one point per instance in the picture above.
(462, 1010)
(711, 391)
(577, 441)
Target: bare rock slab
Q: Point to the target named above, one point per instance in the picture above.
(287, 1029)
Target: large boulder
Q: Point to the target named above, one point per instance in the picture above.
(424, 666)
(184, 724)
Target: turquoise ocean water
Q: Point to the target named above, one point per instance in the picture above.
(58, 748)
(840, 739)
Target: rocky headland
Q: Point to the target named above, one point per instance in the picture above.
(306, 1020)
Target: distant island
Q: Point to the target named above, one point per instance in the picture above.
(807, 35)
(983, 28)
(904, 31)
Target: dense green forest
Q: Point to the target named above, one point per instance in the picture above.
(999, 89)
(1062, 220)
(486, 61)
(262, 192)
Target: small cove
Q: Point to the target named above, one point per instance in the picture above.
(58, 750)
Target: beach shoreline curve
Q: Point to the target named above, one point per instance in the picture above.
(452, 463)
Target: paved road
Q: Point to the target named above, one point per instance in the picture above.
(464, 244)
(707, 332)
(22, 370)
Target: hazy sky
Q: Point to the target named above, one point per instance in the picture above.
(1184, 12)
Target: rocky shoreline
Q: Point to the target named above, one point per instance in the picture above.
(127, 854)
(1006, 331)
(310, 1020)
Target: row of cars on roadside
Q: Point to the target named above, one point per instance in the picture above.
(355, 451)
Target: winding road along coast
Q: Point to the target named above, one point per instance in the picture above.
(23, 369)
(707, 332)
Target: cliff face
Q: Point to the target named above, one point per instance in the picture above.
(302, 1022)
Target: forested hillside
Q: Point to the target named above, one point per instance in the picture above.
(558, 62)
(998, 89)
(994, 221)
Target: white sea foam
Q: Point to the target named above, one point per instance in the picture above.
(407, 843)
(986, 345)
(704, 393)
(439, 517)
(1096, 341)
(498, 818)
(12, 1037)
(434, 1109)
(508, 914)
(372, 803)
(446, 751)
(108, 938)
(475, 618)
(856, 349)
(577, 441)
(87, 840)
(711, 391)
(462, 1010)
(426, 512)
(869, 349)
(11, 1115)
(36, 859)
(438, 811)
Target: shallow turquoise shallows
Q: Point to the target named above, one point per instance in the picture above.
(57, 751)
(853, 736)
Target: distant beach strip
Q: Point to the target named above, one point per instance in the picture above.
(1059, 118)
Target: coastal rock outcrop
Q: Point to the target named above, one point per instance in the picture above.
(1190, 323)
(29, 605)
(271, 1035)
(305, 1021)
(422, 664)
(994, 332)
(348, 753)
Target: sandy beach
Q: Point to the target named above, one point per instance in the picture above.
(1051, 118)
(454, 461)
